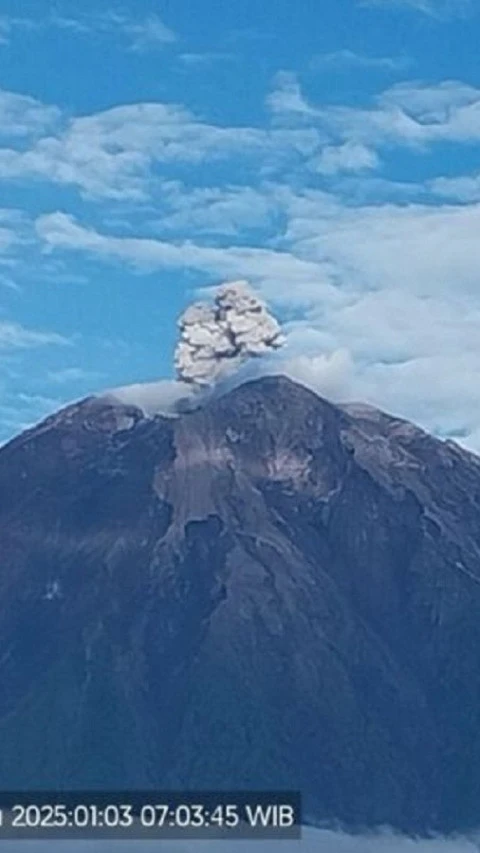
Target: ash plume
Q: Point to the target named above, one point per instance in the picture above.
(216, 339)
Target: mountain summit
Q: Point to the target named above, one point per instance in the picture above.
(267, 592)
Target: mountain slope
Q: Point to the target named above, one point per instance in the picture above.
(267, 592)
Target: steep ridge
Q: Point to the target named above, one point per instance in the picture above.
(270, 591)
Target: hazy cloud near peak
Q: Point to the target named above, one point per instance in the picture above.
(385, 294)
(152, 398)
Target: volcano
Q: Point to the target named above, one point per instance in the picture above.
(267, 592)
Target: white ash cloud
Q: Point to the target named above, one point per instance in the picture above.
(215, 340)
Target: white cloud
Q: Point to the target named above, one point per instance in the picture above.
(413, 114)
(8, 282)
(411, 321)
(388, 296)
(385, 294)
(147, 34)
(463, 188)
(67, 375)
(138, 33)
(4, 31)
(349, 157)
(21, 115)
(14, 234)
(116, 154)
(427, 249)
(59, 231)
(106, 154)
(287, 98)
(9, 24)
(432, 104)
(440, 9)
(111, 154)
(351, 59)
(199, 60)
(212, 210)
(66, 24)
(16, 336)
(19, 252)
(7, 239)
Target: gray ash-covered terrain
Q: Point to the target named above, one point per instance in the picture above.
(268, 592)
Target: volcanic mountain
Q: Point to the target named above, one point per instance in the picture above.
(268, 592)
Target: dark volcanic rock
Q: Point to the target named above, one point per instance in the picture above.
(269, 592)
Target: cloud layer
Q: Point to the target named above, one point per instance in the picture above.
(387, 297)
(376, 280)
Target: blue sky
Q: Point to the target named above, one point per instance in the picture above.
(329, 153)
